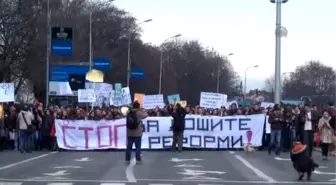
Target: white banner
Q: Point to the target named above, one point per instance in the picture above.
(200, 132)
(7, 92)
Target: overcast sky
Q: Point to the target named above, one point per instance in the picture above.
(246, 28)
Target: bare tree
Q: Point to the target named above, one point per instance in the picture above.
(311, 79)
(269, 84)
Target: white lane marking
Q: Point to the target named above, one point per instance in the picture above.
(183, 160)
(188, 166)
(112, 184)
(130, 171)
(199, 172)
(83, 159)
(237, 182)
(58, 173)
(59, 183)
(10, 183)
(231, 152)
(324, 173)
(66, 167)
(171, 180)
(25, 161)
(203, 178)
(159, 184)
(49, 178)
(282, 159)
(255, 170)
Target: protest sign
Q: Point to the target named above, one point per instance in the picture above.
(103, 92)
(212, 100)
(182, 103)
(267, 104)
(172, 99)
(86, 96)
(7, 92)
(152, 101)
(139, 97)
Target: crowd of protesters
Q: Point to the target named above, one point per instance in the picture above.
(288, 123)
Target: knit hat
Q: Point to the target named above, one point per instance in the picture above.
(298, 148)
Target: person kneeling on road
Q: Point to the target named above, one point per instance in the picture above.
(302, 163)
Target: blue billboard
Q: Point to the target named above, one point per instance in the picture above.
(61, 41)
(137, 73)
(102, 64)
(61, 73)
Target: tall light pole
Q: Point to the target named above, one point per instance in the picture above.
(129, 52)
(218, 70)
(245, 79)
(278, 34)
(90, 42)
(161, 60)
(48, 52)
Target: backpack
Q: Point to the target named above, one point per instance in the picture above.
(132, 120)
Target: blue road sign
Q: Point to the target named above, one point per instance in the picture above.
(61, 41)
(102, 64)
(61, 48)
(61, 73)
(137, 73)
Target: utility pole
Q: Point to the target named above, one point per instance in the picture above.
(278, 35)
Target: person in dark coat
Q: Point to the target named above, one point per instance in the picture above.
(276, 121)
(302, 162)
(178, 127)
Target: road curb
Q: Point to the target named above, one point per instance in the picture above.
(330, 153)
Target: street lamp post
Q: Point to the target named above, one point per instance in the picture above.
(129, 52)
(277, 74)
(218, 70)
(90, 42)
(161, 60)
(48, 52)
(245, 79)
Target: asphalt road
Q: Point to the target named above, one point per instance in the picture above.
(158, 168)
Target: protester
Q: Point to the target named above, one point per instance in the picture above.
(326, 134)
(309, 128)
(2, 134)
(25, 119)
(276, 121)
(45, 126)
(134, 131)
(302, 163)
(46, 132)
(178, 127)
(10, 123)
(286, 136)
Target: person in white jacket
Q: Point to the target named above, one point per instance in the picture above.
(24, 121)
